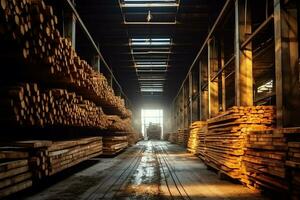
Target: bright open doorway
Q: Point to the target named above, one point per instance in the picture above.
(153, 116)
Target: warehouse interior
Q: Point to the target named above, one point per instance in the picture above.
(149, 99)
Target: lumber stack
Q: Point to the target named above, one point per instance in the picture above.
(32, 25)
(132, 138)
(293, 160)
(15, 176)
(173, 137)
(65, 154)
(263, 164)
(182, 137)
(154, 132)
(226, 136)
(119, 125)
(200, 151)
(194, 136)
(112, 145)
(26, 104)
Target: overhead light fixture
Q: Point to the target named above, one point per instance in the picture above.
(150, 41)
(152, 90)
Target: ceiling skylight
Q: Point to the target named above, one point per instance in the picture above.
(149, 3)
(150, 42)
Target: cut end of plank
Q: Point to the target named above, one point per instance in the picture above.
(3, 4)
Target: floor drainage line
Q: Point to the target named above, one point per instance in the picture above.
(164, 173)
(174, 172)
(136, 160)
(106, 178)
(171, 174)
(129, 174)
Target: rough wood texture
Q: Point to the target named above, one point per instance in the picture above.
(52, 58)
(27, 105)
(114, 144)
(224, 141)
(263, 163)
(196, 138)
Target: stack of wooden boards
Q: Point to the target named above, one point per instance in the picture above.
(293, 160)
(182, 137)
(133, 138)
(65, 154)
(226, 135)
(112, 145)
(15, 174)
(263, 162)
(25, 162)
(196, 136)
(50, 59)
(173, 137)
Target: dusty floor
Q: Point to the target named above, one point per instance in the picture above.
(149, 170)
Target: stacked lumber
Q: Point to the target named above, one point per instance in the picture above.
(173, 137)
(36, 151)
(132, 138)
(166, 136)
(26, 104)
(32, 25)
(15, 174)
(293, 160)
(194, 136)
(114, 144)
(263, 164)
(65, 154)
(182, 137)
(226, 135)
(118, 124)
(200, 151)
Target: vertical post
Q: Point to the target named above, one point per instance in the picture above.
(69, 25)
(213, 101)
(204, 94)
(223, 83)
(243, 61)
(96, 62)
(286, 65)
(190, 97)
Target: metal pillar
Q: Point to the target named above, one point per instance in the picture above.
(213, 101)
(69, 25)
(286, 65)
(243, 58)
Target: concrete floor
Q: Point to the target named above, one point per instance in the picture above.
(149, 170)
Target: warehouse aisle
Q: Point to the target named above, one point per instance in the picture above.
(149, 170)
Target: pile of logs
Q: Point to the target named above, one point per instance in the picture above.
(119, 125)
(224, 141)
(182, 137)
(263, 163)
(112, 145)
(194, 136)
(293, 160)
(26, 104)
(15, 174)
(32, 24)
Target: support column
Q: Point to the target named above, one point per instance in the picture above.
(286, 65)
(223, 83)
(213, 101)
(96, 62)
(203, 93)
(243, 61)
(69, 25)
(190, 98)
